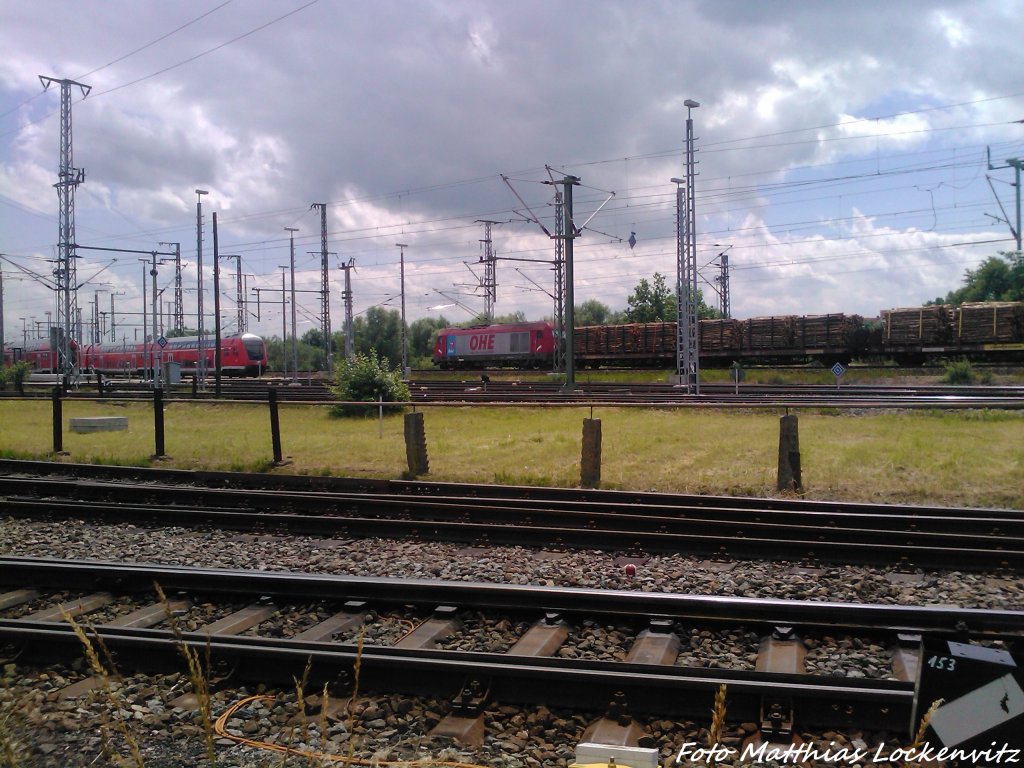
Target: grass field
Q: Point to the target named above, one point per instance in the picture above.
(963, 458)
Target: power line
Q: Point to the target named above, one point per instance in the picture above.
(171, 67)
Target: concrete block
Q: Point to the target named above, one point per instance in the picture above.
(98, 423)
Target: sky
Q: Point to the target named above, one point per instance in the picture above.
(841, 149)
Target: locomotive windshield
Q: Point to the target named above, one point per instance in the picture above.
(254, 347)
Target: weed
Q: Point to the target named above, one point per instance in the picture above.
(10, 745)
(717, 719)
(196, 675)
(958, 372)
(922, 727)
(113, 700)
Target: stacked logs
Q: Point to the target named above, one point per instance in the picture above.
(916, 325)
(989, 322)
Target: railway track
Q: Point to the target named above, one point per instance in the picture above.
(640, 524)
(549, 393)
(652, 665)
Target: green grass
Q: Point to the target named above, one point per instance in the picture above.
(969, 458)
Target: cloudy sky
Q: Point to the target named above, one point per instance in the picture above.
(841, 146)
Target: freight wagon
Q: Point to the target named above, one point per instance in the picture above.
(983, 331)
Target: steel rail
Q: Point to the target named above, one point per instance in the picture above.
(667, 691)
(654, 517)
(580, 498)
(96, 575)
(685, 535)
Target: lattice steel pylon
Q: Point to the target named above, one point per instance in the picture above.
(178, 323)
(687, 328)
(243, 324)
(68, 178)
(325, 287)
(347, 298)
(723, 286)
(490, 281)
(559, 238)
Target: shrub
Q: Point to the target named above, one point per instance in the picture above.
(15, 374)
(367, 378)
(958, 372)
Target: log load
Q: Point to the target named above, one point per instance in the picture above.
(720, 335)
(769, 332)
(989, 322)
(827, 331)
(916, 325)
(628, 340)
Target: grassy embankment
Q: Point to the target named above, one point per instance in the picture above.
(968, 458)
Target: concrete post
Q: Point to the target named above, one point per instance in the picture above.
(590, 461)
(416, 444)
(789, 455)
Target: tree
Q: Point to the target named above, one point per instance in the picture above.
(314, 337)
(379, 331)
(998, 278)
(654, 302)
(174, 333)
(421, 336)
(514, 317)
(593, 312)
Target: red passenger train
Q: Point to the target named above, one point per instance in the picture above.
(241, 355)
(40, 354)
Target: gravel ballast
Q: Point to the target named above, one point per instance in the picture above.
(54, 732)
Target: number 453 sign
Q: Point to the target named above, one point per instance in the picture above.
(983, 701)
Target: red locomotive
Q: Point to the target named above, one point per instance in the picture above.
(528, 345)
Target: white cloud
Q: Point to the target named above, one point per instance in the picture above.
(402, 115)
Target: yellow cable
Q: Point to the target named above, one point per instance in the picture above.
(219, 729)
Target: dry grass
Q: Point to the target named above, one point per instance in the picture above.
(965, 458)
